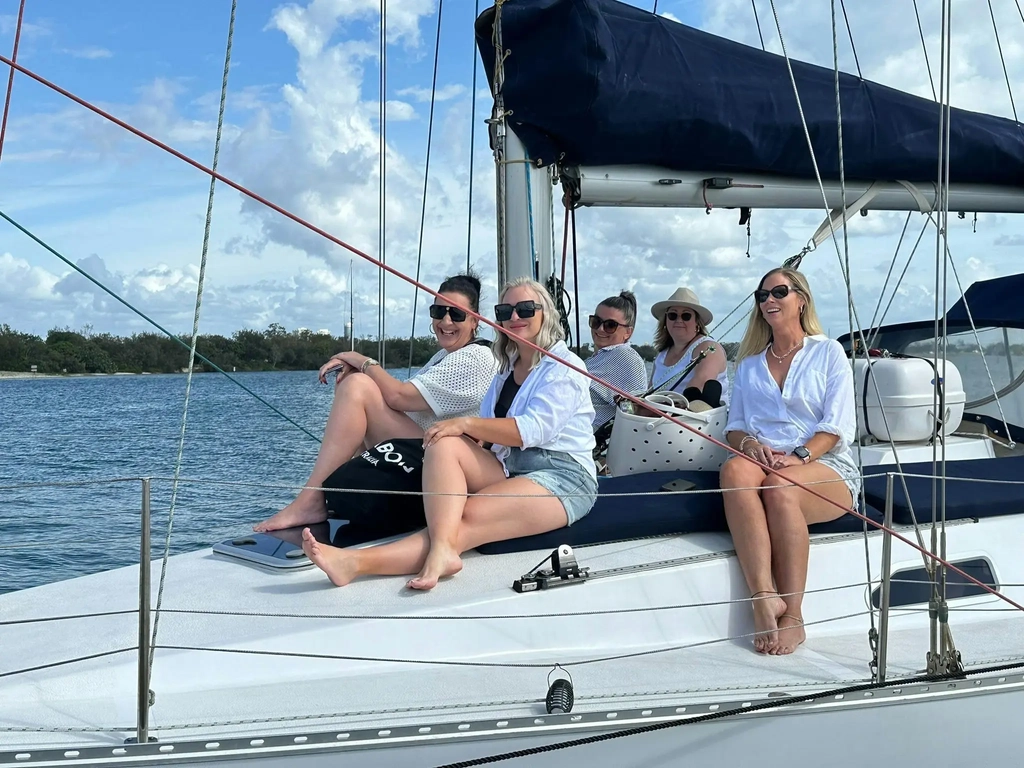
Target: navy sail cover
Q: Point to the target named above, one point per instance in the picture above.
(599, 82)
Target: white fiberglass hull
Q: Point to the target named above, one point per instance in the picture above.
(307, 663)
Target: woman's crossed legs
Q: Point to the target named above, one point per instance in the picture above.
(453, 467)
(769, 530)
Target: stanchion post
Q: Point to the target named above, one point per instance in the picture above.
(144, 584)
(883, 624)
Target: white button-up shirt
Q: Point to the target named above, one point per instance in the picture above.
(552, 409)
(817, 396)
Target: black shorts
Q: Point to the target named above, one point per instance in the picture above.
(392, 465)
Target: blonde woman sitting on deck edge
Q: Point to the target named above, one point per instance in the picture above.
(792, 410)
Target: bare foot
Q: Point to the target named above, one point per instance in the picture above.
(768, 608)
(791, 634)
(305, 510)
(440, 562)
(339, 564)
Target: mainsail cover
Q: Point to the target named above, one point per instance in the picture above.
(599, 82)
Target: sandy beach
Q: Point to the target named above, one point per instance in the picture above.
(27, 375)
(24, 375)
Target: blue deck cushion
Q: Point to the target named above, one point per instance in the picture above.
(963, 499)
(615, 518)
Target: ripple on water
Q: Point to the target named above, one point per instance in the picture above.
(96, 427)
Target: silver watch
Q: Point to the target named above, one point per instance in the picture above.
(367, 363)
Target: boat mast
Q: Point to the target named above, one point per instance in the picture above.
(524, 217)
(351, 308)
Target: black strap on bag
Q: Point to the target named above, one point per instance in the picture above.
(603, 434)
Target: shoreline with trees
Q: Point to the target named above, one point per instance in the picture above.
(64, 352)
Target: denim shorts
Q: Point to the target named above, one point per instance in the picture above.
(560, 474)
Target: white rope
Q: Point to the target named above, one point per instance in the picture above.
(195, 334)
(849, 289)
(426, 178)
(835, 242)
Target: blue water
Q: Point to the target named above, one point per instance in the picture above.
(102, 427)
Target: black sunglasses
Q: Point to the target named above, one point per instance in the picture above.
(525, 310)
(610, 326)
(438, 311)
(684, 316)
(779, 292)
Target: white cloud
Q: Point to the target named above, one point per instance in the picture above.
(89, 52)
(444, 93)
(399, 111)
(311, 145)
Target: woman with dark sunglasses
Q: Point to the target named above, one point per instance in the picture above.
(792, 410)
(536, 417)
(614, 360)
(371, 405)
(681, 335)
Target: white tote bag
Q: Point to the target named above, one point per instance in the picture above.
(647, 443)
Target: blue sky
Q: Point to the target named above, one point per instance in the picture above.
(301, 128)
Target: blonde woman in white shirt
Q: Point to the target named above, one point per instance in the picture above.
(792, 409)
(537, 417)
(371, 405)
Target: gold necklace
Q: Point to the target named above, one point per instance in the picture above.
(771, 349)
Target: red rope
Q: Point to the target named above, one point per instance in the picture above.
(582, 371)
(10, 79)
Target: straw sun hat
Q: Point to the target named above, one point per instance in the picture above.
(683, 297)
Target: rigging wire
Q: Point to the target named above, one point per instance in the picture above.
(758, 22)
(849, 287)
(849, 31)
(485, 320)
(888, 275)
(426, 178)
(472, 147)
(795, 261)
(195, 334)
(382, 185)
(575, 282)
(924, 47)
(1002, 60)
(10, 77)
(43, 244)
(881, 318)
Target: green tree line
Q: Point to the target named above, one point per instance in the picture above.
(274, 349)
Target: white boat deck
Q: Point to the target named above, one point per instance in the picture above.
(700, 653)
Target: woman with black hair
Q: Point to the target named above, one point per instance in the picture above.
(371, 406)
(614, 359)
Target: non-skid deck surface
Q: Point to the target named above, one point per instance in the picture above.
(216, 694)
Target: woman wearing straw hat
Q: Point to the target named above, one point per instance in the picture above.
(681, 336)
